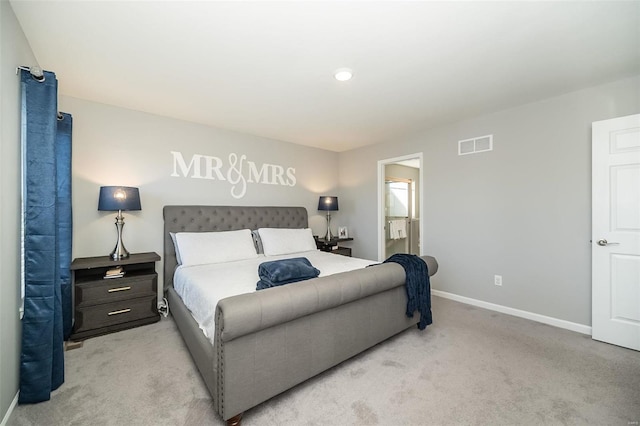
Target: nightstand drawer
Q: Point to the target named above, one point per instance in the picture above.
(344, 251)
(108, 314)
(115, 289)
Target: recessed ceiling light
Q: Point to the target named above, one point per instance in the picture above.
(343, 74)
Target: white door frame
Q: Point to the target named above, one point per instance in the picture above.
(381, 178)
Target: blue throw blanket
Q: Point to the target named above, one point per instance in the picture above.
(417, 285)
(285, 271)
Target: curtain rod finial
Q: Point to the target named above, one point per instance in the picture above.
(36, 72)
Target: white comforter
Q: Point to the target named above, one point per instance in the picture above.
(202, 286)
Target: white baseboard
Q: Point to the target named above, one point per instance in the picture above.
(579, 328)
(10, 410)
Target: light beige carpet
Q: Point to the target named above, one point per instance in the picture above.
(471, 367)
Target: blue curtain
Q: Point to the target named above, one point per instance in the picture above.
(47, 238)
(65, 224)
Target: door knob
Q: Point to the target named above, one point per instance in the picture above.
(604, 242)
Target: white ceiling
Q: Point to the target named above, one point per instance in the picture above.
(265, 68)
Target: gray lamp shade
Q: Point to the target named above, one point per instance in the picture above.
(114, 198)
(328, 203)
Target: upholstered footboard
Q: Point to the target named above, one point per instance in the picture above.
(271, 340)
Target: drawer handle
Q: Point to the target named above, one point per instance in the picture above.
(113, 290)
(121, 311)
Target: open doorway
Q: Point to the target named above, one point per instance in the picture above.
(399, 205)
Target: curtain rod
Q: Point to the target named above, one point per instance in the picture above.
(38, 75)
(36, 72)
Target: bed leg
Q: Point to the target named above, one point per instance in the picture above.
(235, 420)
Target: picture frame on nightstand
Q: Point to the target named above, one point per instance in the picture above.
(343, 232)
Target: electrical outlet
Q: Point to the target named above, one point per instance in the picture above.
(497, 280)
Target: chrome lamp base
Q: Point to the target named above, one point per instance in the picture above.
(119, 252)
(328, 236)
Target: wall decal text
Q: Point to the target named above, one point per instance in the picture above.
(238, 172)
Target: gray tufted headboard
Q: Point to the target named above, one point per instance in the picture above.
(223, 218)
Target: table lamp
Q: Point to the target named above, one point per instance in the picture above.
(119, 198)
(328, 204)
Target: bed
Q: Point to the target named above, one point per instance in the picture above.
(268, 341)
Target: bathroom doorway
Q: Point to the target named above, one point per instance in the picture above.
(399, 205)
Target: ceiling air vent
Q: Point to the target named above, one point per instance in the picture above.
(475, 145)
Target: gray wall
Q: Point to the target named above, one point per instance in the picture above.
(522, 211)
(115, 146)
(14, 51)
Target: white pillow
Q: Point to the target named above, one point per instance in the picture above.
(199, 248)
(277, 241)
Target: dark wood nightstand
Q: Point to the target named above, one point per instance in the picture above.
(104, 305)
(333, 247)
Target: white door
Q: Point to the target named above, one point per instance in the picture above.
(616, 231)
